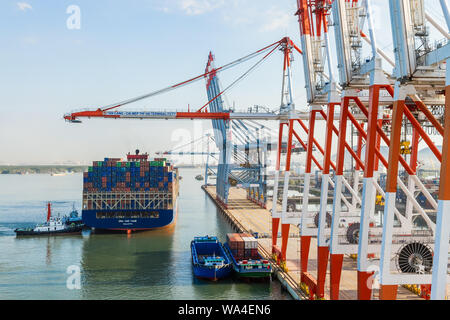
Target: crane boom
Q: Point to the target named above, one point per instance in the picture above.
(172, 115)
(105, 112)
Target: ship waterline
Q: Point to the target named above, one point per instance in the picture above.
(133, 220)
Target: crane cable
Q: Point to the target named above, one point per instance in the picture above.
(240, 78)
(181, 84)
(187, 144)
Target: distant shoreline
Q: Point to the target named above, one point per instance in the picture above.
(52, 169)
(42, 169)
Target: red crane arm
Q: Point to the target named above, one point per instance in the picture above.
(105, 112)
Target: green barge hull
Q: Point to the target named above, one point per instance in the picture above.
(249, 271)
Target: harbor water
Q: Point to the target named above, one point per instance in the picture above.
(144, 265)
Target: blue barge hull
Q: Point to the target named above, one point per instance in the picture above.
(209, 259)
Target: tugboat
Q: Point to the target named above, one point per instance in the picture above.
(53, 226)
(74, 218)
(209, 259)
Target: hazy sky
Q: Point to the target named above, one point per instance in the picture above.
(124, 49)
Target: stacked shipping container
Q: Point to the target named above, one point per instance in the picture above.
(116, 175)
(120, 180)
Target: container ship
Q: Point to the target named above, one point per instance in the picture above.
(130, 195)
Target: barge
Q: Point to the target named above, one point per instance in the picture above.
(246, 260)
(209, 259)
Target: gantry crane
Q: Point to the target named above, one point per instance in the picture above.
(250, 146)
(361, 81)
(206, 139)
(371, 99)
(422, 79)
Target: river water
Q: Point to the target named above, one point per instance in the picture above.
(145, 265)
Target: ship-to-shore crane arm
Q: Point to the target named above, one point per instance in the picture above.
(201, 113)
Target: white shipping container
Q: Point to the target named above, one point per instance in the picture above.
(255, 243)
(250, 242)
(246, 243)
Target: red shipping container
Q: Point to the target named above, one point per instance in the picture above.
(234, 241)
(241, 244)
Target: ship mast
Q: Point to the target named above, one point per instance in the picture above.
(49, 211)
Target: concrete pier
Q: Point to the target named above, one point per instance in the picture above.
(246, 216)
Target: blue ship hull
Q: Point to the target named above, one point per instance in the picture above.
(209, 272)
(127, 220)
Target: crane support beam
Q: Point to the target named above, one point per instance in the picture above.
(440, 258)
(167, 115)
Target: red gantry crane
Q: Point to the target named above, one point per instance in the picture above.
(364, 88)
(362, 92)
(109, 112)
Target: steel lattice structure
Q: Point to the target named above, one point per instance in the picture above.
(384, 107)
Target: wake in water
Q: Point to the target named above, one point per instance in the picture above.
(7, 229)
